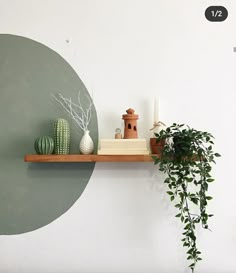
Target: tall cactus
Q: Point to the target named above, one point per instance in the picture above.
(61, 137)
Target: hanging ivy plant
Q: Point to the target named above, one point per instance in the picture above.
(186, 158)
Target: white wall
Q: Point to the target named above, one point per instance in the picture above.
(127, 51)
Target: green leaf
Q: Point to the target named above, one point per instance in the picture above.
(172, 198)
(217, 155)
(194, 200)
(192, 236)
(190, 251)
(209, 197)
(187, 226)
(170, 192)
(192, 265)
(209, 180)
(189, 179)
(178, 215)
(205, 186)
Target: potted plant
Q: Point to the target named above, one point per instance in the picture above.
(186, 159)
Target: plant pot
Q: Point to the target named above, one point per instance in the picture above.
(156, 146)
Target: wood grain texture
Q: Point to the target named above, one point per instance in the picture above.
(87, 158)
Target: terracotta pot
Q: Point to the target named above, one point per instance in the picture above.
(156, 147)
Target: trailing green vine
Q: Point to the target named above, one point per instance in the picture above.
(186, 159)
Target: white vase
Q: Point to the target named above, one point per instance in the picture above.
(86, 145)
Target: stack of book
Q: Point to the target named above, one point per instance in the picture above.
(137, 146)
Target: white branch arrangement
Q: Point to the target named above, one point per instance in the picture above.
(76, 111)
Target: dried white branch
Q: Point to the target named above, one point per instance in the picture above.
(76, 111)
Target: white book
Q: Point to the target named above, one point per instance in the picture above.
(123, 152)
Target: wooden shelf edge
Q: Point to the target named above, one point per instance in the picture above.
(87, 158)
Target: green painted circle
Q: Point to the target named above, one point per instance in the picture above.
(34, 194)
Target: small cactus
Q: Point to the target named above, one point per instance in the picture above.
(61, 137)
(44, 145)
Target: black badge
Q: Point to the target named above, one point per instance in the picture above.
(216, 13)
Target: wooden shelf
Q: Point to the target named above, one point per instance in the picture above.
(87, 158)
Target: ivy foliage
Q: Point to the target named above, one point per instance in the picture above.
(187, 159)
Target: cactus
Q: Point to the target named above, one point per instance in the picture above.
(61, 137)
(44, 145)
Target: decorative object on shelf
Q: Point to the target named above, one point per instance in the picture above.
(156, 110)
(130, 120)
(81, 115)
(61, 137)
(44, 145)
(186, 159)
(86, 144)
(136, 146)
(156, 146)
(118, 134)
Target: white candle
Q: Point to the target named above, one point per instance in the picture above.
(156, 109)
